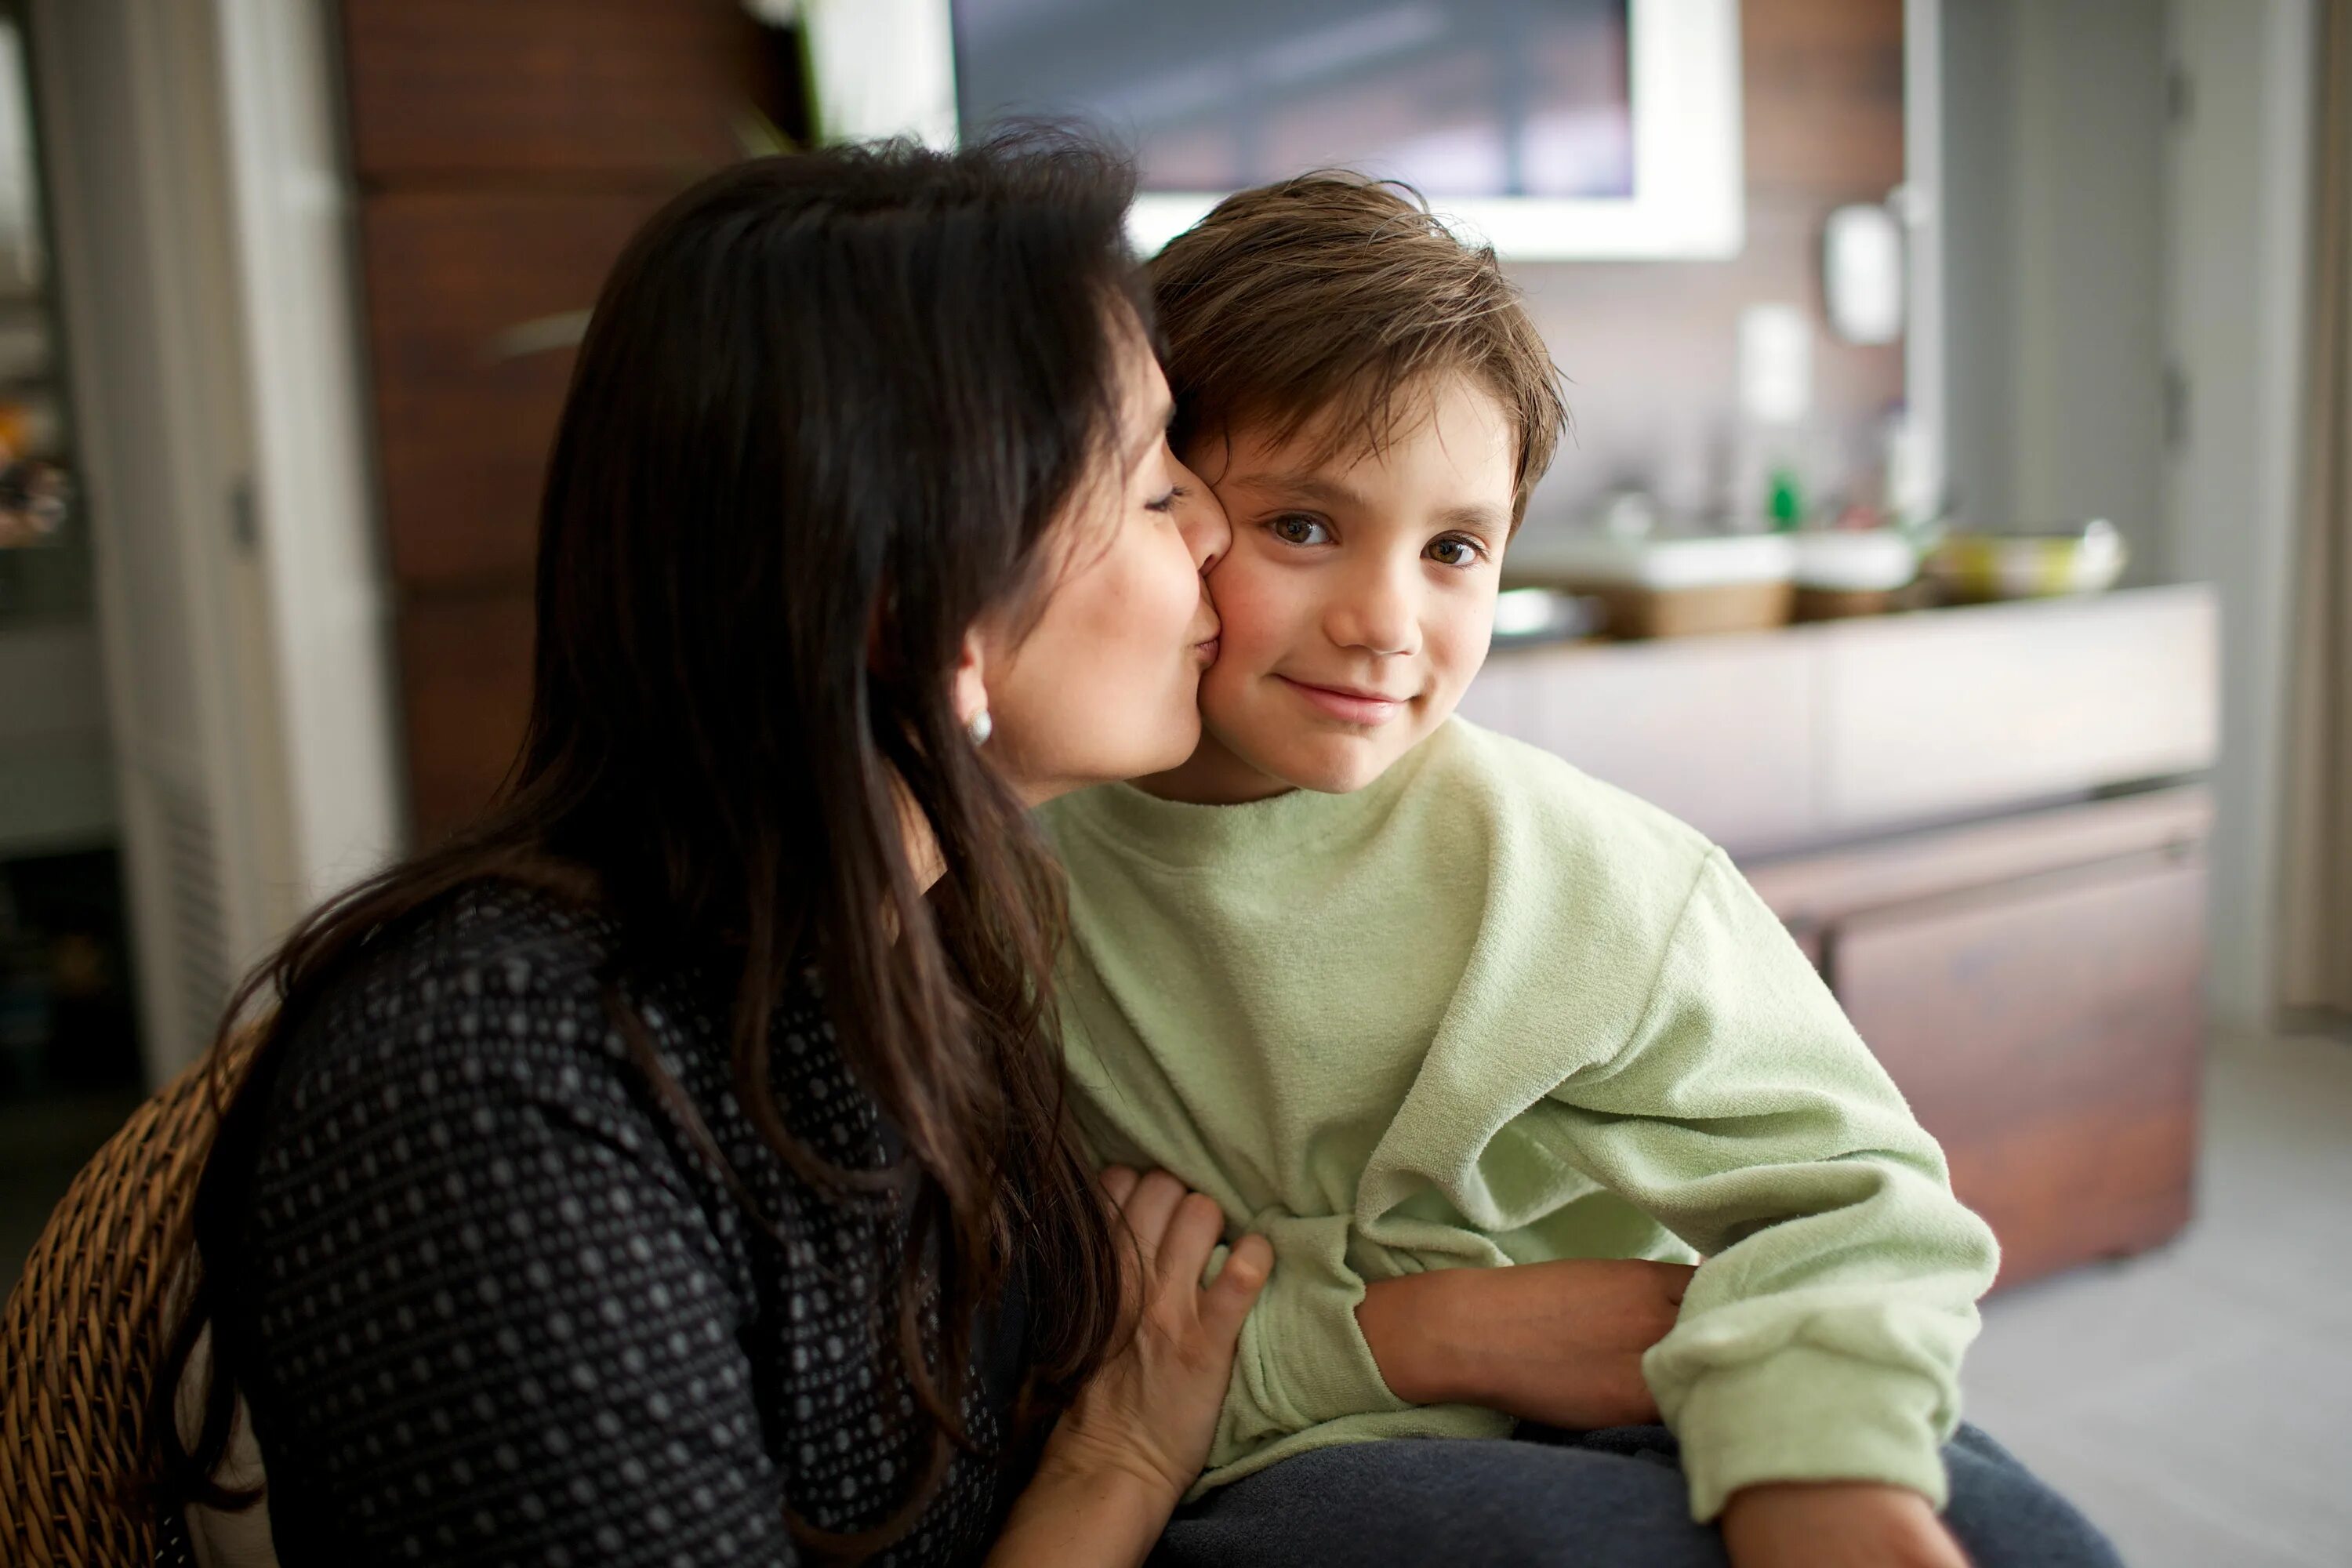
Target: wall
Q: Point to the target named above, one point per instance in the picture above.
(2240, 170)
(2096, 233)
(1980, 134)
(1648, 347)
(2054, 125)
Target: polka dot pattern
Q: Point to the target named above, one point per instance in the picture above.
(507, 1313)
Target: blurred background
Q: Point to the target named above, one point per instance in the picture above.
(1957, 526)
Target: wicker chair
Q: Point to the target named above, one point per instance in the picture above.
(83, 1336)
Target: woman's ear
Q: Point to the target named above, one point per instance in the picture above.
(970, 693)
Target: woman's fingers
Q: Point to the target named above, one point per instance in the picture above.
(1176, 1231)
(1117, 1180)
(1192, 1236)
(1229, 1296)
(1149, 1207)
(1193, 1232)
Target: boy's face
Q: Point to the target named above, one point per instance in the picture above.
(1358, 598)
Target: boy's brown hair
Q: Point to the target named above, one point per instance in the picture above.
(1331, 299)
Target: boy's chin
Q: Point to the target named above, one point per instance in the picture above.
(1329, 766)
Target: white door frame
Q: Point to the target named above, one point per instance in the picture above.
(201, 217)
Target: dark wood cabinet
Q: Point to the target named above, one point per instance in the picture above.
(2034, 985)
(2048, 1030)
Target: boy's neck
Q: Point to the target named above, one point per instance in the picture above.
(1213, 775)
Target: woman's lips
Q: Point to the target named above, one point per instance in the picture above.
(1346, 704)
(1205, 651)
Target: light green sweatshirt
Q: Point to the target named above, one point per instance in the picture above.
(1490, 1011)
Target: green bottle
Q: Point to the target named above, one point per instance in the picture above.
(1785, 507)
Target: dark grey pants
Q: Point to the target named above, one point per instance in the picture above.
(1611, 1499)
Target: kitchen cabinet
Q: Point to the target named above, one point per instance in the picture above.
(2034, 989)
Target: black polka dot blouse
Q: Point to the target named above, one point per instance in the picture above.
(503, 1311)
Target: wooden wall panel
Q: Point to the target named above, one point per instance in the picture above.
(505, 152)
(552, 88)
(463, 421)
(2050, 1035)
(1823, 108)
(465, 665)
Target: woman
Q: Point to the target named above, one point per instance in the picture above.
(672, 1169)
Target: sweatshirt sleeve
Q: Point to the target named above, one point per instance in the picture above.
(1822, 1338)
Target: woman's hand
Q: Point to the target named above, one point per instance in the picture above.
(1559, 1342)
(1135, 1439)
(1836, 1524)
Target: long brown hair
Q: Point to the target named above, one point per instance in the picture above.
(826, 412)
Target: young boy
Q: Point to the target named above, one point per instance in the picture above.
(1407, 996)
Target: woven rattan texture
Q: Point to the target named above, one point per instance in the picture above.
(83, 1335)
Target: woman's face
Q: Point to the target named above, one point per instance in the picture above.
(1105, 683)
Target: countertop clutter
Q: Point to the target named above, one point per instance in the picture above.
(1645, 583)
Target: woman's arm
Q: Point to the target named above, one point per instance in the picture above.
(1136, 1438)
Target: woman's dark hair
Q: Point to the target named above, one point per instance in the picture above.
(828, 410)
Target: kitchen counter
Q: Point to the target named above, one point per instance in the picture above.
(1810, 734)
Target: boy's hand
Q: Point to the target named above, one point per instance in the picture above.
(1836, 1524)
(1559, 1342)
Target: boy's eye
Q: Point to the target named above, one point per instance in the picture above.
(1295, 529)
(1454, 550)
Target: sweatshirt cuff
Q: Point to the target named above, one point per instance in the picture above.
(1803, 1414)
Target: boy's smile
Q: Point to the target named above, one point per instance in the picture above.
(1358, 597)
(1349, 705)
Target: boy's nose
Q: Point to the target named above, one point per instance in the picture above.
(1374, 612)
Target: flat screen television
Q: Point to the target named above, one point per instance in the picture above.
(1554, 128)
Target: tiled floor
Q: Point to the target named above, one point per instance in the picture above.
(2196, 1402)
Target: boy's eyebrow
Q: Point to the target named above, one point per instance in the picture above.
(1310, 487)
(1471, 516)
(1327, 491)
